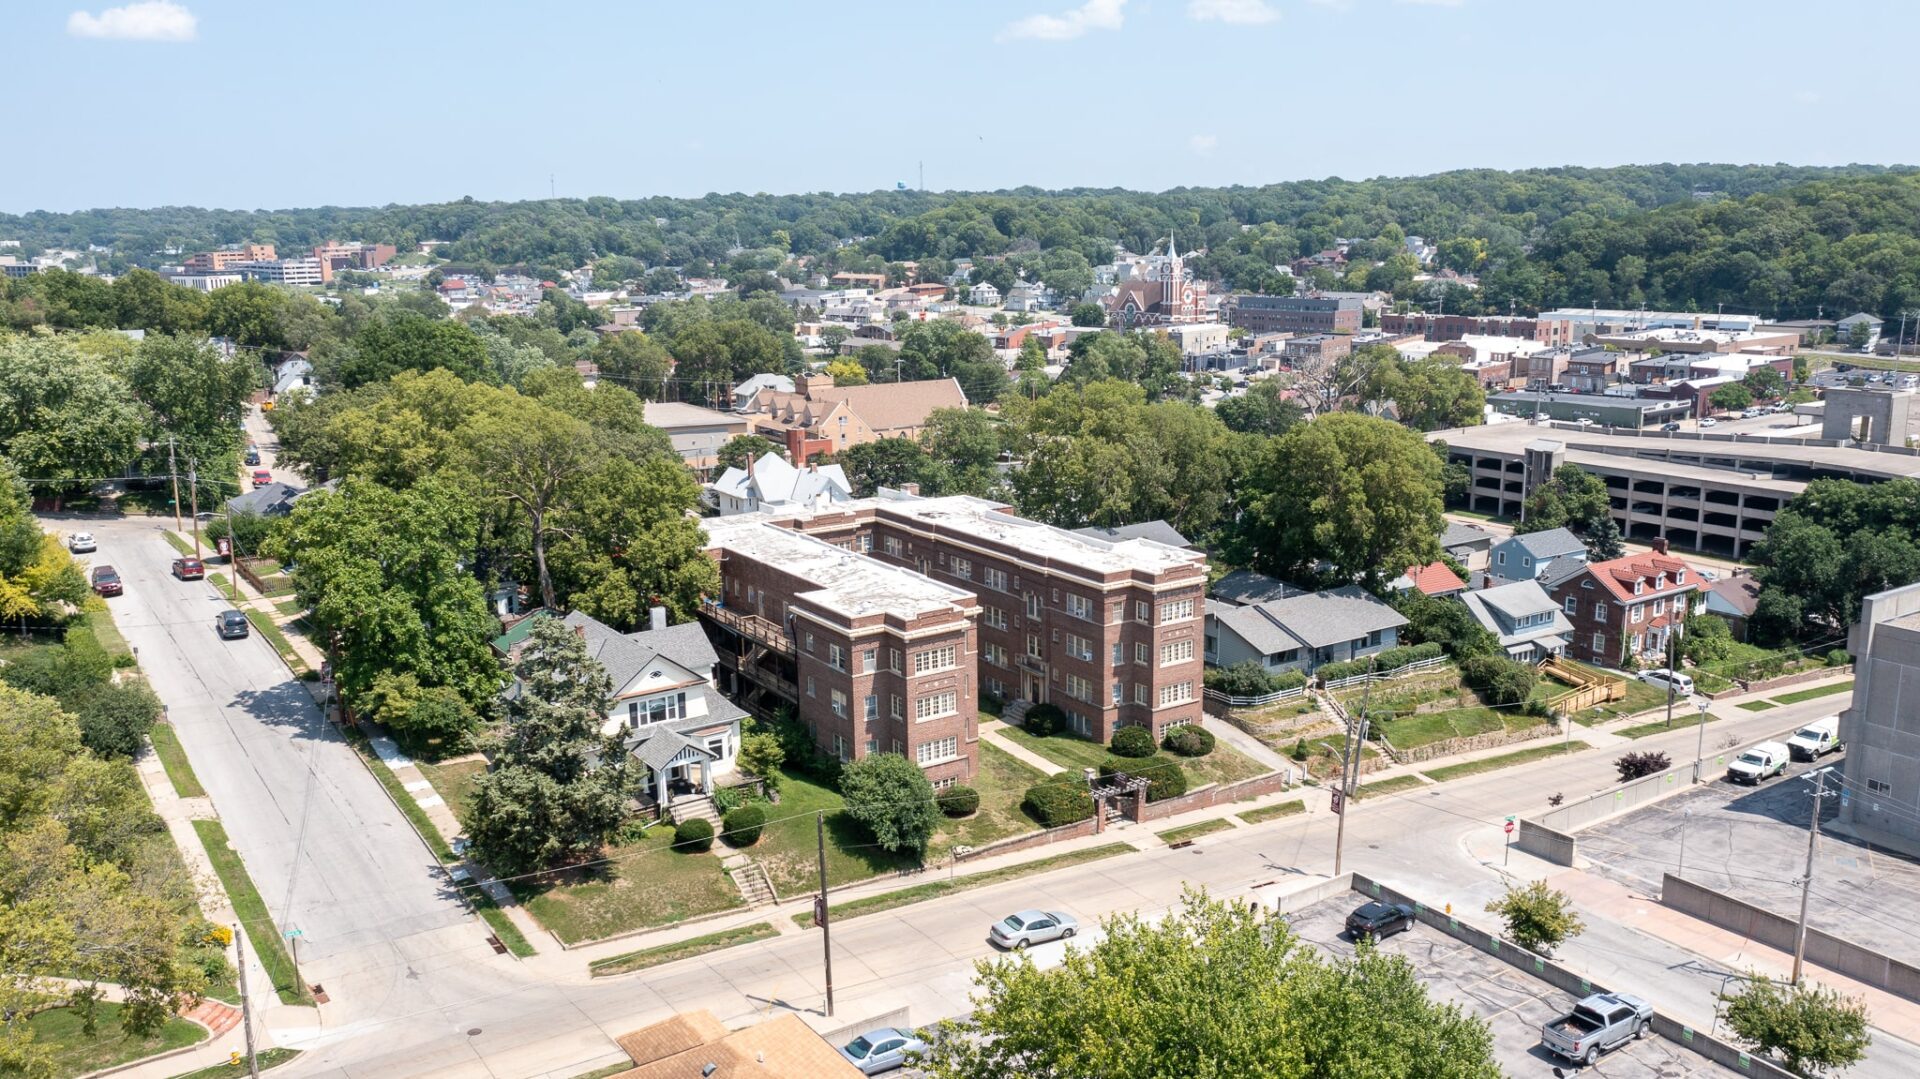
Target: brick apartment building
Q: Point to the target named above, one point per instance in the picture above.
(819, 417)
(1454, 327)
(1296, 314)
(987, 603)
(219, 261)
(354, 256)
(1624, 606)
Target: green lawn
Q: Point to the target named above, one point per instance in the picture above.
(104, 631)
(788, 847)
(1393, 785)
(266, 1058)
(1325, 752)
(1273, 812)
(667, 953)
(643, 884)
(1224, 765)
(173, 758)
(252, 911)
(453, 782)
(290, 607)
(1504, 760)
(1758, 706)
(278, 640)
(178, 542)
(1818, 691)
(497, 920)
(1002, 782)
(74, 1053)
(934, 889)
(1640, 697)
(1195, 830)
(1682, 720)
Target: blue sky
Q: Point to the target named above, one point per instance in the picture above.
(263, 103)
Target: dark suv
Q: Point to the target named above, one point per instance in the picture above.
(106, 581)
(232, 625)
(1377, 920)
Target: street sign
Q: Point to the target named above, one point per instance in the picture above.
(1339, 800)
(292, 933)
(1509, 826)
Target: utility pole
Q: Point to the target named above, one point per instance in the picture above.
(1349, 768)
(1700, 744)
(1806, 883)
(1672, 690)
(193, 492)
(820, 910)
(173, 470)
(246, 1003)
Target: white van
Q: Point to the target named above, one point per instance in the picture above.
(1820, 737)
(1661, 678)
(1763, 761)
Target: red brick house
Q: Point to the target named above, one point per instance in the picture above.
(1624, 606)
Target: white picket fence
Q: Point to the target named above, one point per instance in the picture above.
(1231, 701)
(1415, 667)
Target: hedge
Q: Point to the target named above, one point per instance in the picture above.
(1500, 680)
(1133, 741)
(742, 825)
(1250, 679)
(693, 835)
(1389, 659)
(958, 801)
(1165, 779)
(1190, 741)
(1057, 802)
(1043, 719)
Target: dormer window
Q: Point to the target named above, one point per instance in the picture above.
(1680, 576)
(1639, 587)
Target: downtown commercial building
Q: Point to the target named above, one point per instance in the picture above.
(884, 621)
(1296, 314)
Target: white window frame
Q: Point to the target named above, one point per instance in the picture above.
(930, 660)
(1176, 652)
(935, 705)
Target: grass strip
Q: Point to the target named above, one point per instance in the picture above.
(173, 758)
(108, 634)
(1273, 812)
(1392, 785)
(920, 893)
(252, 911)
(1758, 706)
(266, 1058)
(1659, 726)
(423, 824)
(1195, 830)
(610, 1070)
(685, 949)
(1799, 695)
(180, 543)
(501, 924)
(1504, 760)
(278, 640)
(290, 607)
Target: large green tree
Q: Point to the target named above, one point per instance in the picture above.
(891, 798)
(1428, 394)
(66, 417)
(1344, 498)
(1834, 544)
(1265, 409)
(404, 341)
(1812, 1029)
(1214, 990)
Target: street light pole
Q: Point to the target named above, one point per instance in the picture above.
(1700, 744)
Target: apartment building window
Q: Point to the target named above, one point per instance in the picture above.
(871, 711)
(1600, 643)
(1142, 611)
(1139, 693)
(1636, 613)
(840, 748)
(893, 660)
(1176, 652)
(1119, 653)
(866, 543)
(1079, 688)
(1034, 648)
(839, 704)
(961, 568)
(869, 659)
(1080, 607)
(1119, 693)
(836, 657)
(1660, 606)
(809, 642)
(893, 706)
(1079, 647)
(933, 659)
(873, 746)
(995, 654)
(935, 705)
(891, 545)
(810, 692)
(1142, 652)
(1178, 610)
(995, 578)
(1600, 611)
(1033, 604)
(936, 750)
(994, 617)
(1176, 693)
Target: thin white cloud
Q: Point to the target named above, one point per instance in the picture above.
(149, 20)
(1234, 12)
(1432, 3)
(1069, 24)
(1203, 144)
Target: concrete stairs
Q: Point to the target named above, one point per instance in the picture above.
(215, 1016)
(686, 807)
(1014, 713)
(752, 880)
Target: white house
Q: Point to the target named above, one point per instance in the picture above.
(984, 294)
(770, 483)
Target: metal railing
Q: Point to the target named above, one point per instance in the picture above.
(751, 626)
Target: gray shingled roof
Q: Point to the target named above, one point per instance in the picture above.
(268, 500)
(1553, 543)
(1261, 633)
(1464, 535)
(656, 747)
(626, 656)
(1516, 601)
(1333, 617)
(1245, 587)
(1157, 531)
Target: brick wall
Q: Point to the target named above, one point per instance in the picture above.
(1208, 797)
(1031, 840)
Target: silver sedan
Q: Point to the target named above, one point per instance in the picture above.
(1033, 927)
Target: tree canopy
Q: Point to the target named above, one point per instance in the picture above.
(1834, 544)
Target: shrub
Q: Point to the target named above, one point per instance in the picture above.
(1838, 658)
(761, 754)
(1133, 741)
(114, 719)
(1057, 802)
(890, 796)
(1043, 720)
(693, 835)
(1165, 779)
(1537, 917)
(61, 669)
(1190, 741)
(1501, 681)
(1299, 749)
(1390, 659)
(728, 799)
(1640, 763)
(742, 825)
(958, 801)
(1250, 679)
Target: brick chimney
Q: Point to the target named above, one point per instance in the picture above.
(813, 381)
(1660, 545)
(910, 488)
(656, 619)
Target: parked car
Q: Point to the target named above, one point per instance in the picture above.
(82, 543)
(253, 454)
(1662, 678)
(1032, 927)
(1601, 1022)
(1709, 422)
(1754, 413)
(1820, 737)
(189, 569)
(1763, 761)
(261, 477)
(1670, 425)
(882, 1050)
(231, 625)
(1379, 920)
(106, 581)
(1584, 422)
(266, 406)
(1781, 406)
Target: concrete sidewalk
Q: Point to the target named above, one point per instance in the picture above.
(990, 731)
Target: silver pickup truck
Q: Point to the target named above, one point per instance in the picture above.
(1595, 1025)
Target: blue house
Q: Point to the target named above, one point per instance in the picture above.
(1528, 557)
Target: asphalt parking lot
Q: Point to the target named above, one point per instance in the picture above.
(1751, 842)
(1515, 1004)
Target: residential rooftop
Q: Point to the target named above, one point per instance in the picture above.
(989, 520)
(845, 583)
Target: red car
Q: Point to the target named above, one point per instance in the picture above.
(189, 569)
(261, 477)
(106, 581)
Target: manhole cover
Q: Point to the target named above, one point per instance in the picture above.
(473, 1032)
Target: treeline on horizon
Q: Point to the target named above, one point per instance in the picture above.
(1779, 240)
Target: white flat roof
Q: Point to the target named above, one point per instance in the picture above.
(850, 584)
(984, 519)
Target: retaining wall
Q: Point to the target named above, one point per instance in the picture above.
(1034, 839)
(1210, 796)
(1837, 954)
(1768, 685)
(1543, 842)
(1473, 742)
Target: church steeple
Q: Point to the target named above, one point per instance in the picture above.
(1173, 251)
